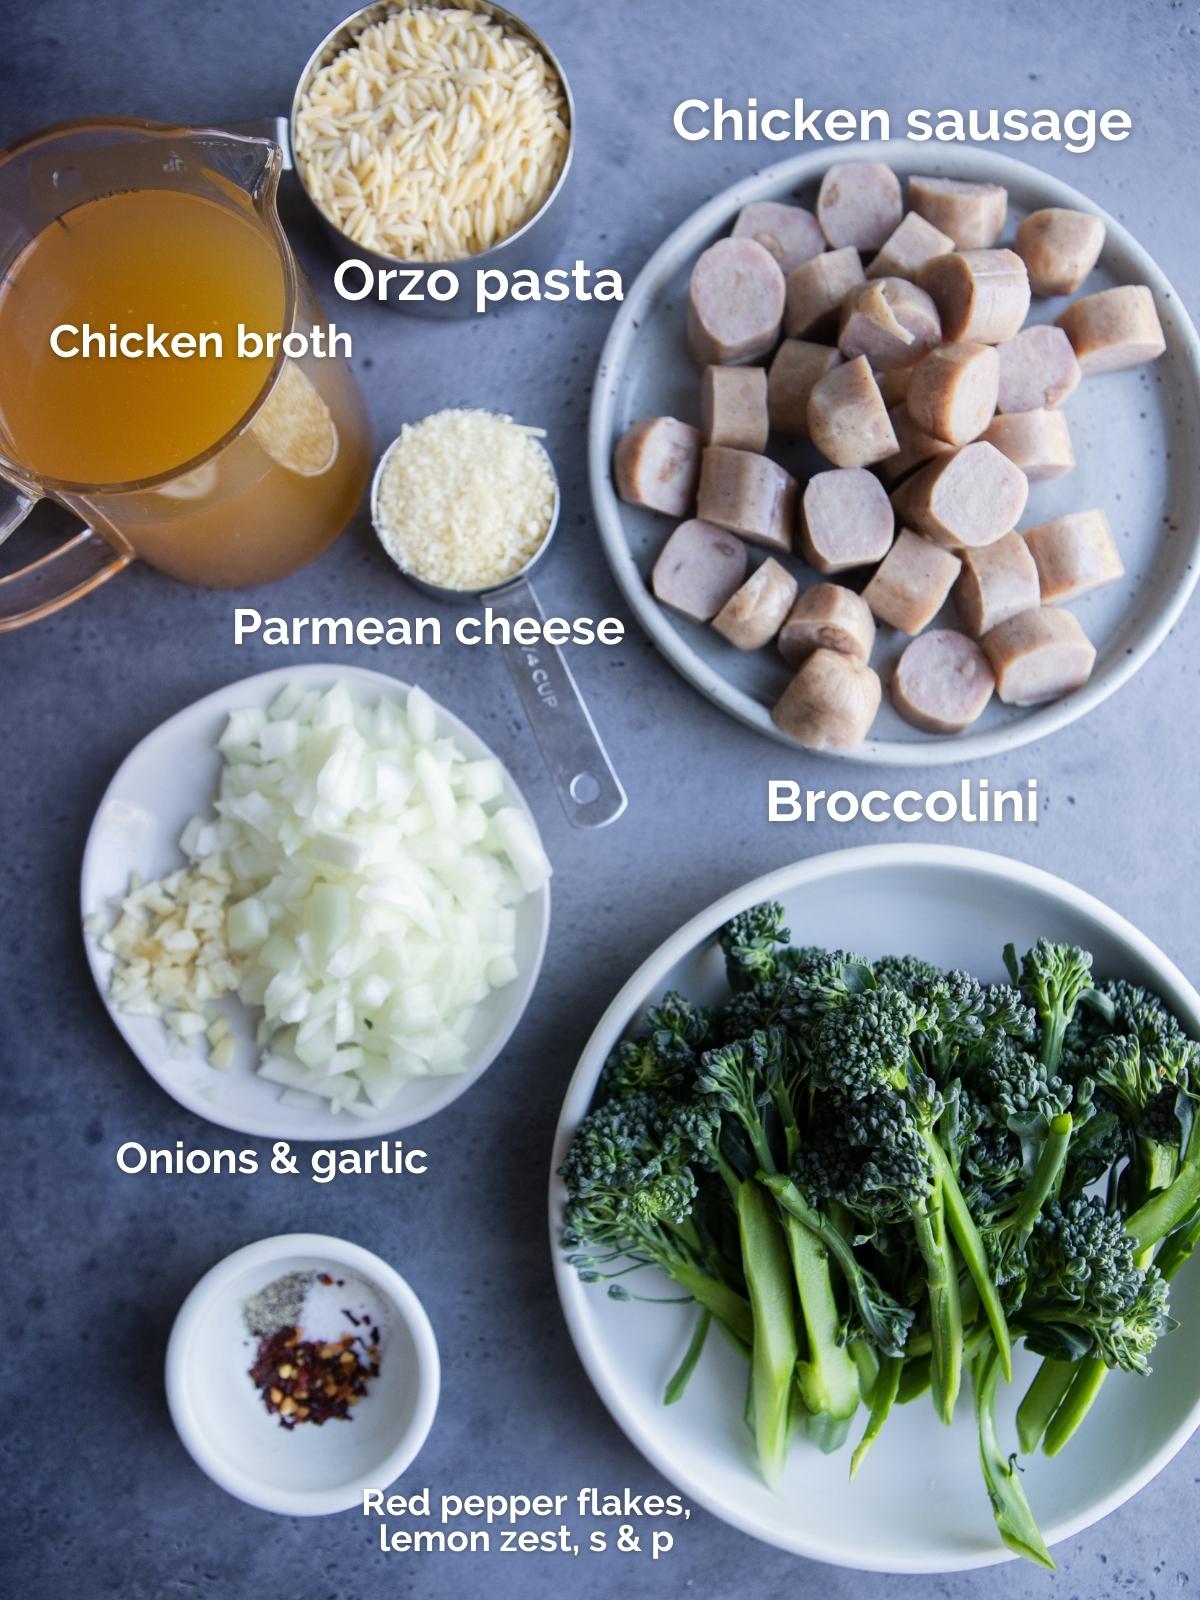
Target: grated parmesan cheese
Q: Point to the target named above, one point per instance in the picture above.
(465, 499)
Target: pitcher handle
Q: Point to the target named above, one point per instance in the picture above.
(73, 569)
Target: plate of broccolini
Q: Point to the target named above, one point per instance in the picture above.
(874, 1200)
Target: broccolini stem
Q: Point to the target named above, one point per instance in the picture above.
(826, 1432)
(786, 1113)
(915, 1379)
(1043, 1184)
(866, 1360)
(883, 1397)
(1179, 1247)
(1085, 1386)
(686, 1231)
(1014, 1519)
(774, 1349)
(1170, 1208)
(966, 1236)
(1041, 1400)
(827, 1375)
(729, 1307)
(888, 1331)
(1054, 1033)
(683, 1372)
(1157, 1168)
(945, 1313)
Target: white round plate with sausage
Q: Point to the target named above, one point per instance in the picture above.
(917, 1506)
(1135, 433)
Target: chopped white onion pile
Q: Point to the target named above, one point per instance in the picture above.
(358, 883)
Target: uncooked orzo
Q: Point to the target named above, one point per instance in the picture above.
(433, 137)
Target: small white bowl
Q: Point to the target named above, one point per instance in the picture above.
(220, 1416)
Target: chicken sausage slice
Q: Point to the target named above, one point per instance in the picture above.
(846, 520)
(790, 233)
(1039, 442)
(1038, 370)
(964, 500)
(698, 569)
(942, 682)
(657, 464)
(735, 303)
(831, 702)
(816, 289)
(753, 616)
(913, 243)
(952, 393)
(916, 446)
(827, 617)
(997, 582)
(1039, 656)
(912, 583)
(893, 386)
(847, 419)
(747, 494)
(980, 294)
(1074, 555)
(859, 204)
(733, 407)
(890, 321)
(796, 367)
(971, 213)
(1060, 248)
(1114, 329)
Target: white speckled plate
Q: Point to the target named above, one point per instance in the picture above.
(171, 776)
(919, 1504)
(1136, 436)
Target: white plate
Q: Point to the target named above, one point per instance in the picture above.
(1136, 436)
(919, 1503)
(170, 776)
(220, 1416)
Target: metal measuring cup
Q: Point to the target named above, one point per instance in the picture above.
(587, 787)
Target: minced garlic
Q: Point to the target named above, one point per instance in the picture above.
(171, 959)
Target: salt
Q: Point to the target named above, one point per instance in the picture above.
(321, 1306)
(343, 1305)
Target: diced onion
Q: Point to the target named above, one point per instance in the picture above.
(358, 883)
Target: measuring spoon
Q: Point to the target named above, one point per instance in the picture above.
(587, 787)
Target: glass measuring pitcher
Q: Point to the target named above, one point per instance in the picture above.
(217, 467)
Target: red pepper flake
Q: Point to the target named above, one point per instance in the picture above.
(302, 1380)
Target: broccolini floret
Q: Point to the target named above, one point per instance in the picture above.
(1023, 1094)
(803, 986)
(1053, 977)
(908, 973)
(1088, 1295)
(631, 1190)
(751, 943)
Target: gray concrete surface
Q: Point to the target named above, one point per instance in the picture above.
(101, 1498)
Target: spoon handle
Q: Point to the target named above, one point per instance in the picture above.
(587, 787)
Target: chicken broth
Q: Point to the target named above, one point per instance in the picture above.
(144, 256)
(277, 492)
